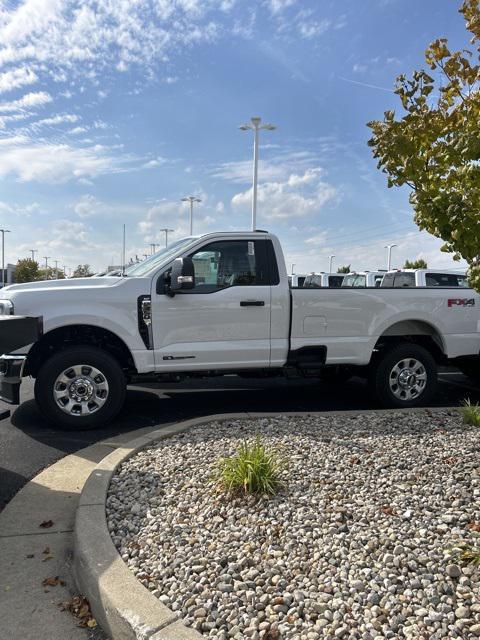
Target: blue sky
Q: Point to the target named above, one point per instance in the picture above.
(111, 111)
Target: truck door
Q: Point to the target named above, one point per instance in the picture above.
(224, 321)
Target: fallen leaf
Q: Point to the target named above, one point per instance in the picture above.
(49, 557)
(46, 524)
(52, 581)
(79, 607)
(388, 510)
(30, 555)
(7, 588)
(46, 551)
(473, 526)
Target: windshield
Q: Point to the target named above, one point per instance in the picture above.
(158, 258)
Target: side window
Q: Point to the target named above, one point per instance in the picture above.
(445, 280)
(387, 280)
(360, 281)
(404, 280)
(335, 281)
(225, 264)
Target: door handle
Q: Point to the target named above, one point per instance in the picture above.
(252, 303)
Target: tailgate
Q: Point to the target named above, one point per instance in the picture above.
(17, 332)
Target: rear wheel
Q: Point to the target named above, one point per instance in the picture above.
(404, 376)
(80, 388)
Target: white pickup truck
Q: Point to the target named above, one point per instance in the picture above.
(424, 278)
(221, 304)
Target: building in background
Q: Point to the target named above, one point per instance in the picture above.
(9, 274)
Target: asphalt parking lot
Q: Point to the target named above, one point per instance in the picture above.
(28, 444)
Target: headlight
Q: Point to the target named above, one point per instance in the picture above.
(6, 308)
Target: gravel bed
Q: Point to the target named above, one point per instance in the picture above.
(362, 543)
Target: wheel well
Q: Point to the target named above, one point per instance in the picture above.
(413, 331)
(69, 336)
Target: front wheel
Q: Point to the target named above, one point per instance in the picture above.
(404, 376)
(80, 388)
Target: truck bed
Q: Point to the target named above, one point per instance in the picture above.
(349, 322)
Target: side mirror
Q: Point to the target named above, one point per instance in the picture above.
(182, 276)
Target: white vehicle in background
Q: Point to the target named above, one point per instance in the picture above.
(320, 280)
(296, 279)
(425, 278)
(363, 279)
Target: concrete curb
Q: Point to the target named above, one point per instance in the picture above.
(124, 608)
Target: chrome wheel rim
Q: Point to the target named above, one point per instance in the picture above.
(408, 379)
(80, 390)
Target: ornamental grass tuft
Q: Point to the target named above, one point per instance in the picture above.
(253, 469)
(470, 413)
(470, 554)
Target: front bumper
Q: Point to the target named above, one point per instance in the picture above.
(11, 372)
(16, 332)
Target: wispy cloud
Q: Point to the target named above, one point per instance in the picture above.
(16, 78)
(37, 99)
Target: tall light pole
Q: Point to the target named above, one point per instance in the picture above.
(46, 266)
(389, 247)
(191, 199)
(153, 246)
(56, 269)
(33, 252)
(167, 231)
(331, 263)
(255, 126)
(3, 232)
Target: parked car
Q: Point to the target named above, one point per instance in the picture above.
(221, 304)
(296, 279)
(424, 278)
(318, 280)
(363, 279)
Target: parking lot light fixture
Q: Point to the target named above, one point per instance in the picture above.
(191, 200)
(167, 231)
(46, 266)
(331, 264)
(255, 125)
(389, 259)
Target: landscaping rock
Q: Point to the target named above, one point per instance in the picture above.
(362, 542)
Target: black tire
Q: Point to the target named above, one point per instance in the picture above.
(109, 368)
(384, 376)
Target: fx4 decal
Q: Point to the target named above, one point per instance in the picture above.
(461, 302)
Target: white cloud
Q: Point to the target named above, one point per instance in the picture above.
(152, 164)
(278, 167)
(38, 99)
(298, 196)
(277, 6)
(57, 162)
(88, 206)
(313, 28)
(359, 68)
(67, 36)
(55, 120)
(16, 78)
